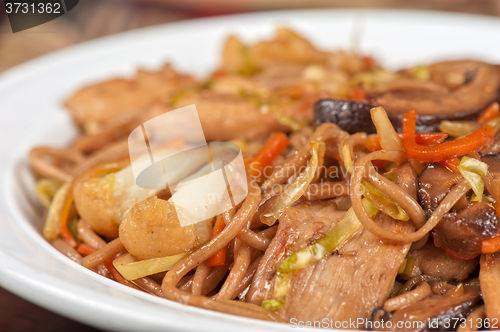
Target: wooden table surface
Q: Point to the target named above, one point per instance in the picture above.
(95, 18)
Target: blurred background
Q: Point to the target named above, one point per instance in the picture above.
(95, 18)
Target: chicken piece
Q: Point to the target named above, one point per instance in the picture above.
(339, 287)
(489, 278)
(436, 312)
(226, 116)
(350, 283)
(95, 104)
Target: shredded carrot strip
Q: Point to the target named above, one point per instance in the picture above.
(452, 164)
(219, 258)
(105, 168)
(443, 151)
(221, 72)
(356, 94)
(491, 245)
(85, 250)
(274, 145)
(489, 113)
(373, 143)
(63, 220)
(117, 276)
(114, 272)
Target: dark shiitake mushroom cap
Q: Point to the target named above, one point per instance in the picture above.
(456, 91)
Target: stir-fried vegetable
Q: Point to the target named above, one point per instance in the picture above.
(473, 171)
(490, 116)
(458, 128)
(384, 203)
(387, 135)
(46, 190)
(491, 112)
(376, 197)
(407, 266)
(347, 227)
(219, 258)
(491, 245)
(63, 220)
(346, 157)
(117, 276)
(131, 269)
(295, 190)
(51, 227)
(443, 151)
(452, 163)
(274, 145)
(85, 250)
(373, 142)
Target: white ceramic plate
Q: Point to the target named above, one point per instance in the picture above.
(31, 110)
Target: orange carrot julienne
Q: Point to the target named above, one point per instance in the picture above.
(491, 112)
(373, 143)
(85, 250)
(429, 138)
(63, 220)
(219, 258)
(452, 164)
(356, 94)
(117, 276)
(221, 72)
(491, 245)
(274, 145)
(443, 151)
(114, 272)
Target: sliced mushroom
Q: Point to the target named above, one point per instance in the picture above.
(351, 116)
(435, 311)
(489, 277)
(435, 183)
(493, 161)
(457, 90)
(435, 262)
(464, 228)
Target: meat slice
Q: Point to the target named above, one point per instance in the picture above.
(347, 285)
(460, 231)
(350, 284)
(299, 226)
(489, 277)
(436, 312)
(225, 116)
(436, 262)
(95, 104)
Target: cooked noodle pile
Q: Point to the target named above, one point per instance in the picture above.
(335, 213)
